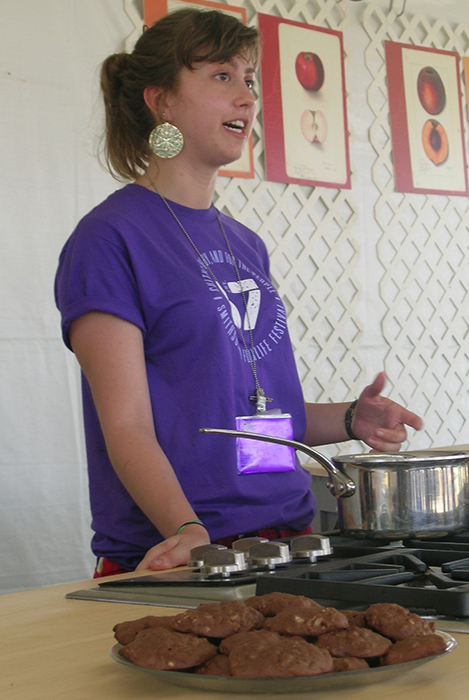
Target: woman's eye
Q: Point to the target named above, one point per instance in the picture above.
(250, 83)
(222, 76)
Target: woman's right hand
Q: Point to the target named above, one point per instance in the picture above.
(174, 551)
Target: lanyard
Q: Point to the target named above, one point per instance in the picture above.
(259, 397)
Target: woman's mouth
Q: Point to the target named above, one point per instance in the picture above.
(237, 126)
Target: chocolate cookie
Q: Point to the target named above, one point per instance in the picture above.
(355, 617)
(348, 663)
(125, 632)
(397, 622)
(261, 636)
(166, 650)
(287, 656)
(414, 648)
(271, 604)
(216, 666)
(360, 642)
(306, 622)
(218, 620)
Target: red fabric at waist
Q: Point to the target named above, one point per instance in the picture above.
(269, 533)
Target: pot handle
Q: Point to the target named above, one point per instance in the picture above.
(341, 485)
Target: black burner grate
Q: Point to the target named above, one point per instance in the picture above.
(428, 581)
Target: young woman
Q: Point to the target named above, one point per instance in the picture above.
(168, 306)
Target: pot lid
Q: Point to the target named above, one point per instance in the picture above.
(437, 457)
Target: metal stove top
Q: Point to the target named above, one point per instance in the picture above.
(428, 577)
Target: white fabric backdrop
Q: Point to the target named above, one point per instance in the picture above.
(50, 117)
(50, 51)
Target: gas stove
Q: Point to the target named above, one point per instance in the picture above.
(428, 577)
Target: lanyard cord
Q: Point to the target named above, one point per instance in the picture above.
(260, 398)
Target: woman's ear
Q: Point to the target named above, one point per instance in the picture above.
(153, 97)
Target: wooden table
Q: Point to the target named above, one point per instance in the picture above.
(58, 649)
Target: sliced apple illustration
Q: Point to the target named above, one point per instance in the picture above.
(314, 126)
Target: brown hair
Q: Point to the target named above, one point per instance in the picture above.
(177, 40)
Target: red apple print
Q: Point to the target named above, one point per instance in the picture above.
(309, 70)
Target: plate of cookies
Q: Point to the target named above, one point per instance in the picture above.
(278, 642)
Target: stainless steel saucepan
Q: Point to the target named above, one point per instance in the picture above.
(392, 496)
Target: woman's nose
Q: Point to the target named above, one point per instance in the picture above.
(246, 96)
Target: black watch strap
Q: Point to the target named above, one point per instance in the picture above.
(348, 420)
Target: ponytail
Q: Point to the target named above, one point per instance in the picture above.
(127, 119)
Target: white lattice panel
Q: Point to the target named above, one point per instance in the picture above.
(368, 276)
(423, 246)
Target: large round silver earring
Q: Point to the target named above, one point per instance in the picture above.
(166, 141)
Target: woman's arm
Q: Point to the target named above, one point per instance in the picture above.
(378, 421)
(110, 352)
(325, 423)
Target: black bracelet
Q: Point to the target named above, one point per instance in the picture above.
(348, 420)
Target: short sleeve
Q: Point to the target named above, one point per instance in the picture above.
(95, 273)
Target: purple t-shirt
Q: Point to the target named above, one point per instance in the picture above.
(128, 257)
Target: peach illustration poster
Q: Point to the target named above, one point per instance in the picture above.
(303, 99)
(426, 120)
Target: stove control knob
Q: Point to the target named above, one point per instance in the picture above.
(310, 547)
(245, 544)
(222, 562)
(269, 554)
(197, 554)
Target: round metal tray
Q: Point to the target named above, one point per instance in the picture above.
(326, 681)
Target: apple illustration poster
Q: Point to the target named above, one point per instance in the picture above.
(426, 120)
(152, 11)
(303, 100)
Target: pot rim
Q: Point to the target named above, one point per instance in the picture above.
(430, 458)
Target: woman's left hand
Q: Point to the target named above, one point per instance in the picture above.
(380, 422)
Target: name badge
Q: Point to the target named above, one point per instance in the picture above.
(256, 457)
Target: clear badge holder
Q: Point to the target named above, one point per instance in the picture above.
(256, 457)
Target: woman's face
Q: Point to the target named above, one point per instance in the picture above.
(214, 107)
